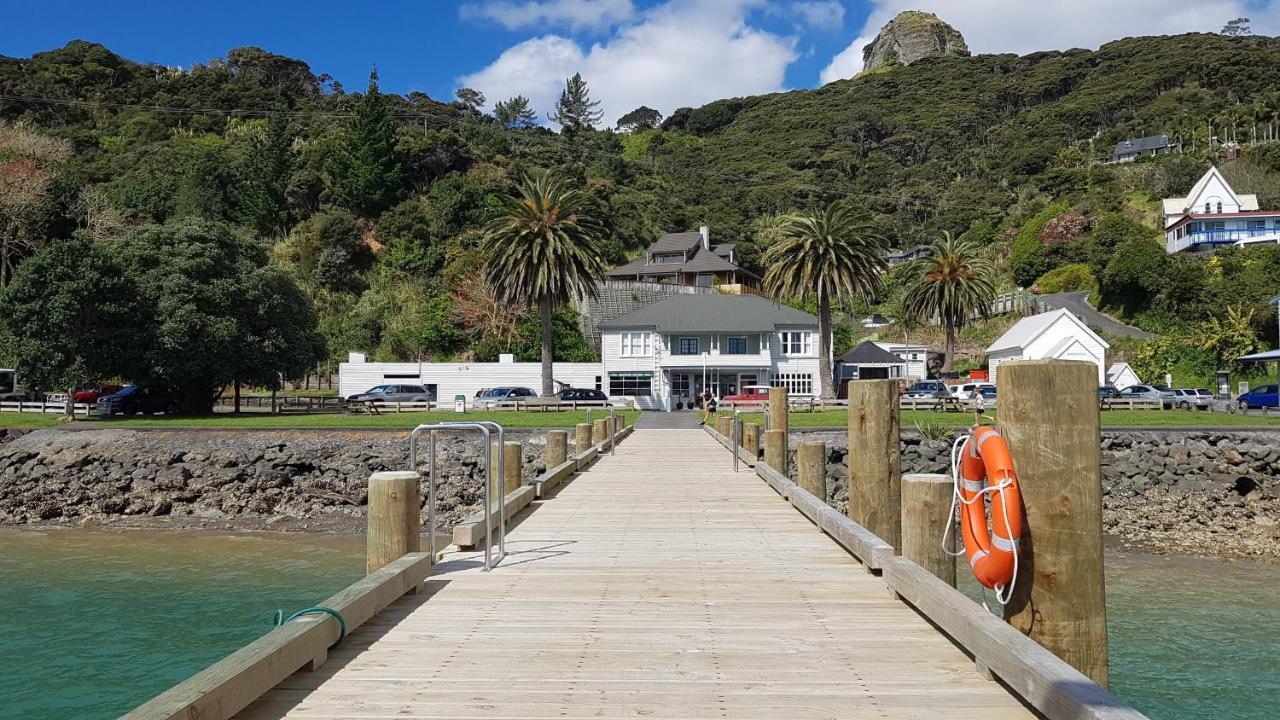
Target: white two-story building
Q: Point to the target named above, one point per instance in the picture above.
(1213, 215)
(670, 350)
(658, 357)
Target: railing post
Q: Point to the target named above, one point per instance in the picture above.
(811, 464)
(779, 406)
(874, 458)
(557, 448)
(926, 517)
(1049, 416)
(581, 438)
(513, 459)
(775, 449)
(599, 431)
(619, 422)
(393, 525)
(724, 425)
(751, 439)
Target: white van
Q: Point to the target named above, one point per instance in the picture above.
(967, 391)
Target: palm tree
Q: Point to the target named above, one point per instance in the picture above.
(541, 250)
(955, 283)
(829, 255)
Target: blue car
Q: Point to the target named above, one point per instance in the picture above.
(1261, 396)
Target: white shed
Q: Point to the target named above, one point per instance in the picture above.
(1056, 335)
(1121, 376)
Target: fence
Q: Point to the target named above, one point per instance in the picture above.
(37, 406)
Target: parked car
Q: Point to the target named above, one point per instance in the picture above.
(1259, 397)
(1107, 391)
(1188, 398)
(750, 393)
(1147, 392)
(581, 395)
(394, 394)
(133, 400)
(505, 394)
(91, 395)
(988, 392)
(966, 391)
(927, 389)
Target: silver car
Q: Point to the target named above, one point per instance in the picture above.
(1147, 392)
(394, 394)
(1192, 398)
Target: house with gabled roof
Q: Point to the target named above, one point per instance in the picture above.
(1056, 335)
(1130, 149)
(1213, 215)
(687, 258)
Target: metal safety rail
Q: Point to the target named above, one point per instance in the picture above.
(486, 428)
(737, 429)
(613, 427)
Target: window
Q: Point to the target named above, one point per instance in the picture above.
(736, 346)
(795, 383)
(668, 259)
(1257, 224)
(688, 346)
(705, 280)
(599, 384)
(1219, 207)
(636, 344)
(680, 384)
(1208, 208)
(632, 384)
(797, 343)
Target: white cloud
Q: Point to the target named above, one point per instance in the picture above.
(679, 53)
(820, 14)
(575, 15)
(1023, 26)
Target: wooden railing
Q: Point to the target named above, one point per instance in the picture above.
(39, 406)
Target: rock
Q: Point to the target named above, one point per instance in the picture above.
(910, 36)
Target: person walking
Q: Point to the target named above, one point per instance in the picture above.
(708, 405)
(979, 408)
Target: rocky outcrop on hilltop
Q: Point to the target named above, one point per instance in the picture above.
(1202, 493)
(54, 476)
(910, 36)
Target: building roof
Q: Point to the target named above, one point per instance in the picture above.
(1183, 205)
(1142, 144)
(724, 250)
(1267, 356)
(676, 242)
(1026, 330)
(703, 261)
(713, 313)
(869, 353)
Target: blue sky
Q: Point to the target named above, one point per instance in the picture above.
(663, 53)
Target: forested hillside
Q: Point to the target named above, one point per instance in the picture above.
(371, 204)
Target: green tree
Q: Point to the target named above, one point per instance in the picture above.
(326, 251)
(1028, 260)
(541, 250)
(365, 168)
(953, 284)
(575, 110)
(642, 118)
(515, 113)
(71, 313)
(1227, 336)
(470, 98)
(30, 164)
(1237, 28)
(268, 169)
(833, 255)
(1133, 275)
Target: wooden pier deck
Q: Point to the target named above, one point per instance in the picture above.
(657, 584)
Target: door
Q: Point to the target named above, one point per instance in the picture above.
(681, 391)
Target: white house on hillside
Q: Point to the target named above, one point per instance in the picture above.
(1057, 335)
(1121, 376)
(1213, 214)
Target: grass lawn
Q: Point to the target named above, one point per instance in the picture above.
(1110, 418)
(405, 421)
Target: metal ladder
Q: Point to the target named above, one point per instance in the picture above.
(487, 428)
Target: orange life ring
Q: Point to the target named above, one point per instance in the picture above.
(985, 462)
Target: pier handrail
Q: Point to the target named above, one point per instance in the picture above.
(737, 427)
(613, 427)
(485, 427)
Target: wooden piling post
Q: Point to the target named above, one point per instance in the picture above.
(393, 525)
(599, 431)
(811, 465)
(926, 516)
(1049, 418)
(557, 448)
(775, 449)
(874, 459)
(751, 439)
(779, 406)
(724, 425)
(619, 422)
(513, 460)
(581, 438)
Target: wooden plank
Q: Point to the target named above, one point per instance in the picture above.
(227, 686)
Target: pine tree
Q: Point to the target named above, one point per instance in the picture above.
(470, 98)
(515, 113)
(576, 110)
(269, 167)
(366, 171)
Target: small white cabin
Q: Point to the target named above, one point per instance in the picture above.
(1057, 335)
(1121, 376)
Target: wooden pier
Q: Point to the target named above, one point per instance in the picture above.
(654, 582)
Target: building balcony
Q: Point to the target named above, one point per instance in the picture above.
(716, 360)
(1222, 237)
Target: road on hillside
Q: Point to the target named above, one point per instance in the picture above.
(1076, 302)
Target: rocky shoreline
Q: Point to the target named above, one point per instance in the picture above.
(226, 480)
(1187, 492)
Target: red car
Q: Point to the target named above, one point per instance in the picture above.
(91, 395)
(749, 394)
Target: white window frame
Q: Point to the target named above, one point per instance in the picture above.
(635, 344)
(796, 342)
(697, 346)
(797, 383)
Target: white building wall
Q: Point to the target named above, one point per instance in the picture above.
(1050, 344)
(461, 378)
(917, 369)
(994, 360)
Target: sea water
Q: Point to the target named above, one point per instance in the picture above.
(98, 622)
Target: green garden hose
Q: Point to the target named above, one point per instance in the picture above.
(280, 619)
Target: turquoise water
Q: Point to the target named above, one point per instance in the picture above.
(99, 622)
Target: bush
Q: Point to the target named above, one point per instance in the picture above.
(1133, 276)
(1028, 253)
(1068, 278)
